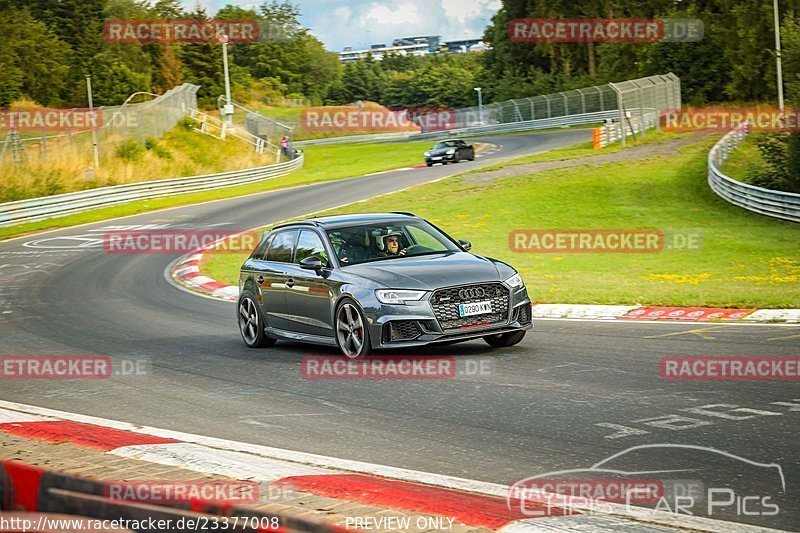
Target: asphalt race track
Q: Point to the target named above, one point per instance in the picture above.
(572, 394)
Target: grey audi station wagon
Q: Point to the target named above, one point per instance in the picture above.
(376, 281)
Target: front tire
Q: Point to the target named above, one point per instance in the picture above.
(504, 340)
(352, 334)
(251, 323)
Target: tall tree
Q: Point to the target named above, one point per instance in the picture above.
(34, 62)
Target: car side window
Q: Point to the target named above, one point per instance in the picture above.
(261, 253)
(282, 246)
(310, 244)
(423, 238)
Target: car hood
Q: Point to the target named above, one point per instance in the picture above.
(429, 272)
(440, 151)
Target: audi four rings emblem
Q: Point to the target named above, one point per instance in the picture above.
(474, 292)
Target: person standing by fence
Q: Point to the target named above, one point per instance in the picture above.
(285, 147)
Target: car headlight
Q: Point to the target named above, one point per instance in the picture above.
(515, 281)
(427, 154)
(451, 151)
(399, 297)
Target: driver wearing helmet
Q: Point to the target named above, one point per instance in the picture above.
(391, 245)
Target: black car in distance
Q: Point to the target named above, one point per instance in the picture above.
(450, 151)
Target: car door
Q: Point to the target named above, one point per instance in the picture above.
(465, 150)
(273, 274)
(309, 295)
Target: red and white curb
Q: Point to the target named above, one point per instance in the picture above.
(468, 502)
(186, 272)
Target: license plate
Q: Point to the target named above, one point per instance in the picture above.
(476, 308)
(436, 158)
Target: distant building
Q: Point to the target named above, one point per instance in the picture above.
(433, 41)
(416, 46)
(377, 51)
(464, 46)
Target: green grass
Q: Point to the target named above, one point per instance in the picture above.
(745, 160)
(585, 150)
(746, 260)
(323, 163)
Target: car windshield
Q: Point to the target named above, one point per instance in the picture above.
(379, 242)
(446, 144)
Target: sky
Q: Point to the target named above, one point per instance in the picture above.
(360, 23)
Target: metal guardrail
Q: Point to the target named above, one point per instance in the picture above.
(776, 204)
(528, 125)
(34, 209)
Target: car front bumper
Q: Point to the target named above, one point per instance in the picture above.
(440, 158)
(421, 315)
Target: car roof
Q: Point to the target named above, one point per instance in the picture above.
(450, 140)
(339, 221)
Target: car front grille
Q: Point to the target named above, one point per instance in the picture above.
(445, 305)
(401, 330)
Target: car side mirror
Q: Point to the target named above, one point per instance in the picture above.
(466, 245)
(312, 263)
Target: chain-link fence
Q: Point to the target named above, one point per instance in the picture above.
(267, 129)
(130, 121)
(576, 102)
(646, 98)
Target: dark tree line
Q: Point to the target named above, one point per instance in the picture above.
(734, 61)
(50, 45)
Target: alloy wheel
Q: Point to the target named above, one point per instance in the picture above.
(350, 330)
(248, 321)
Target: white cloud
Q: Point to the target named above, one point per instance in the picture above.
(395, 15)
(464, 10)
(360, 23)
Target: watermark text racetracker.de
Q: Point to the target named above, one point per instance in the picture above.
(377, 119)
(177, 492)
(395, 367)
(71, 367)
(726, 119)
(164, 31)
(49, 119)
(603, 241)
(709, 368)
(608, 30)
(179, 241)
